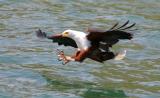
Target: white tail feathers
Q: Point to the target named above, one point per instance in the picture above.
(120, 55)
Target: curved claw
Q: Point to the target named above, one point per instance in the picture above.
(59, 52)
(65, 62)
(62, 57)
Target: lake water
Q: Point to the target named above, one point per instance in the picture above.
(29, 67)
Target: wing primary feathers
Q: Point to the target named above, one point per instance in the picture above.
(128, 27)
(132, 30)
(114, 26)
(41, 34)
(123, 25)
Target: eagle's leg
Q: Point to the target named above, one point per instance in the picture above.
(76, 54)
(79, 56)
(70, 58)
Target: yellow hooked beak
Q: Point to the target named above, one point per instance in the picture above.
(65, 34)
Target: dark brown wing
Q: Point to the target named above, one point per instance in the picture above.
(57, 39)
(64, 41)
(111, 36)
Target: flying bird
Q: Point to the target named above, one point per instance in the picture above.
(94, 43)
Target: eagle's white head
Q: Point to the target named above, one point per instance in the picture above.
(79, 37)
(72, 33)
(68, 33)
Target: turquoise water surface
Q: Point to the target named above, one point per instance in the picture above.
(29, 67)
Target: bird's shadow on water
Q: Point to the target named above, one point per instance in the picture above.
(81, 88)
(103, 93)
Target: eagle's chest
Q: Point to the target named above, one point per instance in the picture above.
(82, 42)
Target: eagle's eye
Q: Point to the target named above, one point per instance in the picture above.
(66, 33)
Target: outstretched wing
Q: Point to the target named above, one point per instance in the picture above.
(57, 39)
(64, 41)
(111, 36)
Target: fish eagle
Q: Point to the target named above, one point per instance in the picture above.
(94, 43)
